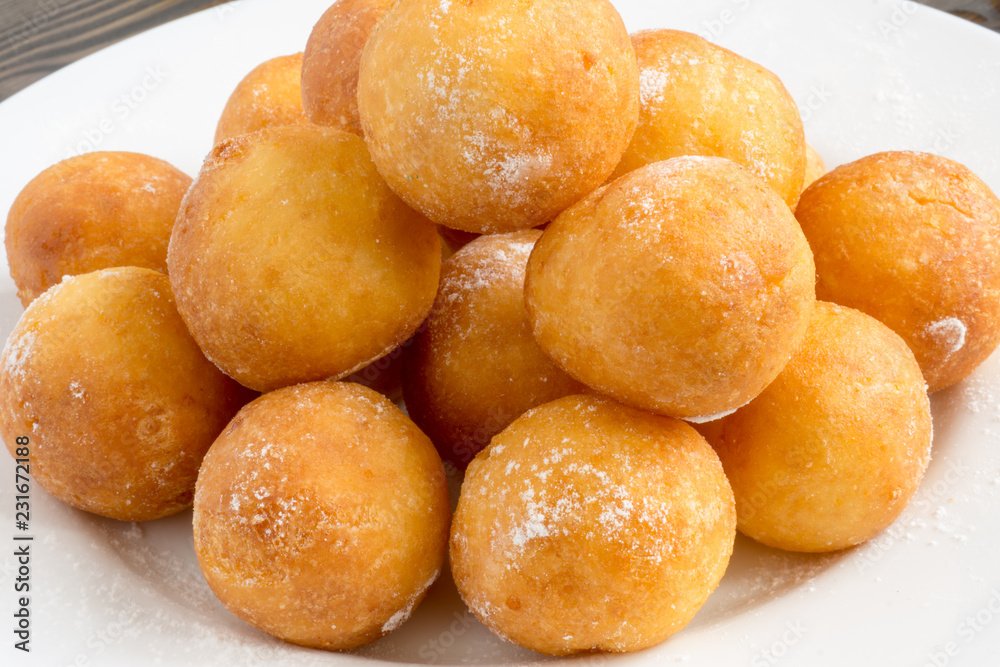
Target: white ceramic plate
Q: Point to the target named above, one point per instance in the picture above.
(869, 75)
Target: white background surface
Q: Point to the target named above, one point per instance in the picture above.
(869, 76)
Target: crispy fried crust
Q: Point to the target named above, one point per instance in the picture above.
(913, 240)
(832, 451)
(321, 515)
(590, 526)
(118, 401)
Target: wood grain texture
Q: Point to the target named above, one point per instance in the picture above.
(38, 37)
(984, 12)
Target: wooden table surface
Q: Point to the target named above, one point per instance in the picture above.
(38, 37)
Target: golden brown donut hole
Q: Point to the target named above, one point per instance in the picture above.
(89, 212)
(681, 288)
(332, 61)
(117, 400)
(475, 366)
(913, 240)
(270, 95)
(292, 261)
(590, 526)
(701, 99)
(832, 451)
(489, 118)
(321, 515)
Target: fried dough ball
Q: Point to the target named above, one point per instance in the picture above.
(493, 117)
(332, 60)
(475, 366)
(681, 288)
(270, 95)
(321, 515)
(119, 403)
(89, 212)
(291, 260)
(590, 526)
(832, 451)
(913, 240)
(702, 99)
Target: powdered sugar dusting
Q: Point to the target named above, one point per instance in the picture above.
(656, 202)
(479, 273)
(396, 620)
(260, 499)
(710, 418)
(652, 83)
(762, 163)
(579, 487)
(535, 526)
(403, 614)
(948, 333)
(17, 354)
(717, 416)
(514, 173)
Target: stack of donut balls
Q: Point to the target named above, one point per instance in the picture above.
(587, 261)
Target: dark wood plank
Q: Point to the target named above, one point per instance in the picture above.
(38, 37)
(984, 12)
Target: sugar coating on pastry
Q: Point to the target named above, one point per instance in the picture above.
(913, 240)
(590, 526)
(698, 98)
(832, 451)
(493, 117)
(332, 61)
(321, 515)
(292, 261)
(119, 403)
(475, 367)
(89, 212)
(681, 288)
(269, 95)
